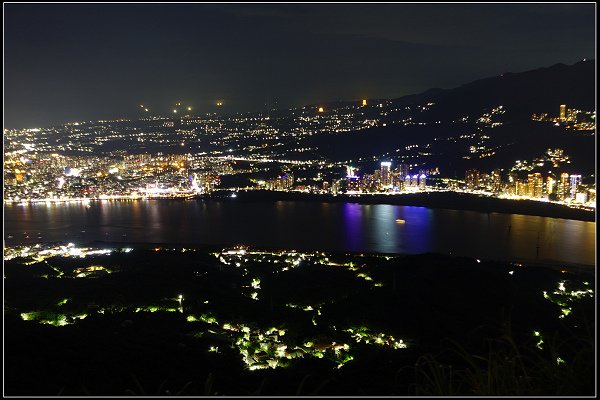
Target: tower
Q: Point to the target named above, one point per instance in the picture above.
(550, 184)
(386, 176)
(575, 181)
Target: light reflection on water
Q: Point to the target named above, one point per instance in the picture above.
(308, 226)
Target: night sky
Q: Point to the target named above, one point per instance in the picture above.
(77, 62)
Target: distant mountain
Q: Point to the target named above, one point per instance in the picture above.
(524, 93)
(517, 137)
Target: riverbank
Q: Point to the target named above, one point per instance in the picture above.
(443, 200)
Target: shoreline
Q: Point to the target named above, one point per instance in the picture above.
(562, 266)
(434, 200)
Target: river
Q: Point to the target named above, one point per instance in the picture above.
(307, 226)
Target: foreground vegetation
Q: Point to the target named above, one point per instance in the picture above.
(173, 321)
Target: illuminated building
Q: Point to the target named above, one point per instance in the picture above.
(395, 179)
(386, 176)
(325, 185)
(377, 178)
(422, 179)
(284, 182)
(496, 181)
(287, 181)
(400, 185)
(364, 102)
(575, 181)
(485, 180)
(336, 186)
(521, 188)
(350, 171)
(472, 179)
(550, 185)
(352, 184)
(414, 180)
(407, 181)
(321, 109)
(592, 195)
(368, 183)
(563, 112)
(403, 169)
(581, 197)
(535, 185)
(563, 187)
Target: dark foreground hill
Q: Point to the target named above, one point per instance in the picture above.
(169, 321)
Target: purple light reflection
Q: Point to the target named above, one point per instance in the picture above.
(353, 229)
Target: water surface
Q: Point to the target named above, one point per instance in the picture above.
(307, 226)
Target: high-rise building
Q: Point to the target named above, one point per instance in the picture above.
(403, 169)
(563, 186)
(395, 179)
(472, 179)
(510, 189)
(377, 178)
(485, 181)
(575, 181)
(550, 185)
(535, 185)
(350, 171)
(368, 183)
(563, 112)
(496, 181)
(521, 188)
(386, 176)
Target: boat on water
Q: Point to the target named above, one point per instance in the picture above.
(400, 221)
